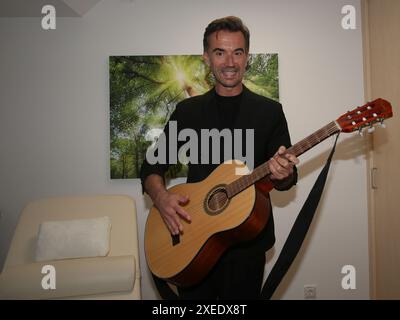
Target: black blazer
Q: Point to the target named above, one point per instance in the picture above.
(256, 112)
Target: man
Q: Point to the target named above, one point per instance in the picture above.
(230, 105)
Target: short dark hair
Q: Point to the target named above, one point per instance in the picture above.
(229, 23)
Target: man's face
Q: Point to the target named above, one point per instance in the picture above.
(227, 57)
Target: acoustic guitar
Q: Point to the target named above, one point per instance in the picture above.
(227, 209)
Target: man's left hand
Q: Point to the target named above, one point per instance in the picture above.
(281, 164)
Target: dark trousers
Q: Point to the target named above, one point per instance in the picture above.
(237, 275)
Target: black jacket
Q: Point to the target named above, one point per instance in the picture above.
(256, 112)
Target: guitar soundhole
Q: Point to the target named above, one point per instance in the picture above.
(217, 200)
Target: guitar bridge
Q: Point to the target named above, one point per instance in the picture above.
(175, 239)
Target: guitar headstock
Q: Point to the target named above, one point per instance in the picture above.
(365, 116)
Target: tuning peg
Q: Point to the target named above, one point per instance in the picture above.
(382, 124)
(361, 132)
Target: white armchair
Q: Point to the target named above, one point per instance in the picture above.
(113, 276)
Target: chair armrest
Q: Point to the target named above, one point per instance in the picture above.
(73, 277)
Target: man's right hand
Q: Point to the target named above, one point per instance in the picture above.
(169, 206)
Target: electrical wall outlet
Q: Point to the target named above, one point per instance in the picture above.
(310, 291)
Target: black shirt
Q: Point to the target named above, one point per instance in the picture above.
(228, 109)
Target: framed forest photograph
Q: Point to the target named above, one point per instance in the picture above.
(144, 91)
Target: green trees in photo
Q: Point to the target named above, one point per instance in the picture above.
(144, 91)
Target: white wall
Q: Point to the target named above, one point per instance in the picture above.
(54, 115)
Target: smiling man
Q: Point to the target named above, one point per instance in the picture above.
(226, 54)
(228, 106)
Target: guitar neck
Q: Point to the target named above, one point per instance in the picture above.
(298, 149)
(314, 139)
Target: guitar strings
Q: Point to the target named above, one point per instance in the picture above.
(299, 148)
(219, 198)
(261, 171)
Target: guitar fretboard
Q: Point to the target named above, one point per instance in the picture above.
(298, 149)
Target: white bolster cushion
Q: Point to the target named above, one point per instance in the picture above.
(78, 238)
(72, 277)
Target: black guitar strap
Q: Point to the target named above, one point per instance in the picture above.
(298, 233)
(291, 247)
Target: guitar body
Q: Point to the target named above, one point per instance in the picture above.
(216, 225)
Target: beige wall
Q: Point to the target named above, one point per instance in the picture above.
(54, 120)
